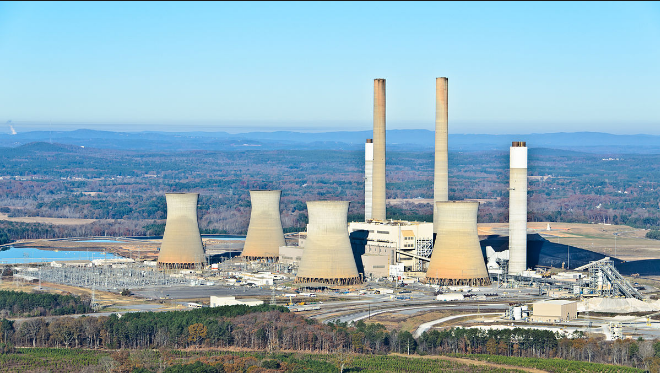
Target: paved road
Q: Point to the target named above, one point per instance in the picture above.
(427, 325)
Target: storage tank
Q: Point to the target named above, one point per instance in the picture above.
(457, 258)
(182, 244)
(518, 208)
(328, 256)
(265, 235)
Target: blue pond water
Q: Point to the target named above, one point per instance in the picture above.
(32, 255)
(224, 237)
(227, 237)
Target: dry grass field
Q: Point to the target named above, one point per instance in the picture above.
(631, 243)
(42, 220)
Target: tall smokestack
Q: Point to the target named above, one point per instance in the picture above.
(264, 235)
(518, 208)
(182, 244)
(378, 201)
(440, 175)
(368, 178)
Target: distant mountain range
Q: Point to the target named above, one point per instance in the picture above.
(397, 140)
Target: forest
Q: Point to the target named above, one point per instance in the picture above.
(125, 190)
(273, 328)
(21, 304)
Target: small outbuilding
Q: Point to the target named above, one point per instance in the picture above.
(232, 301)
(555, 310)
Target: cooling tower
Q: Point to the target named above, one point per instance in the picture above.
(328, 256)
(378, 196)
(182, 244)
(518, 208)
(457, 257)
(440, 174)
(368, 178)
(264, 236)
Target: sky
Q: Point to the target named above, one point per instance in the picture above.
(238, 67)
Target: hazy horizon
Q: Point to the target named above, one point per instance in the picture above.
(454, 128)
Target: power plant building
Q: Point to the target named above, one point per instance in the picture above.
(182, 244)
(392, 242)
(457, 257)
(265, 235)
(518, 208)
(328, 257)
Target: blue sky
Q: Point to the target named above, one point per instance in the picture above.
(512, 67)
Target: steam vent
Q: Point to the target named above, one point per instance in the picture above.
(518, 208)
(328, 256)
(457, 257)
(265, 235)
(182, 243)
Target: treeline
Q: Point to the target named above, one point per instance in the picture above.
(274, 328)
(523, 342)
(653, 234)
(572, 188)
(21, 304)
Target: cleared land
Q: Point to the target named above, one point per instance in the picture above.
(631, 243)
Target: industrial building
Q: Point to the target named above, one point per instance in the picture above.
(232, 301)
(328, 257)
(457, 257)
(390, 242)
(555, 310)
(182, 244)
(265, 235)
(290, 255)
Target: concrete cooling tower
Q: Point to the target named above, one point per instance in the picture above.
(264, 236)
(182, 243)
(441, 172)
(328, 256)
(518, 208)
(378, 186)
(457, 258)
(368, 178)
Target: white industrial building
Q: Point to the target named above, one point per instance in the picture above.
(390, 242)
(232, 301)
(290, 254)
(555, 310)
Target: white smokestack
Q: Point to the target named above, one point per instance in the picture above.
(368, 179)
(518, 208)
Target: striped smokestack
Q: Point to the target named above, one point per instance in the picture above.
(440, 175)
(378, 194)
(518, 208)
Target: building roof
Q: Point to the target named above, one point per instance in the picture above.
(557, 301)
